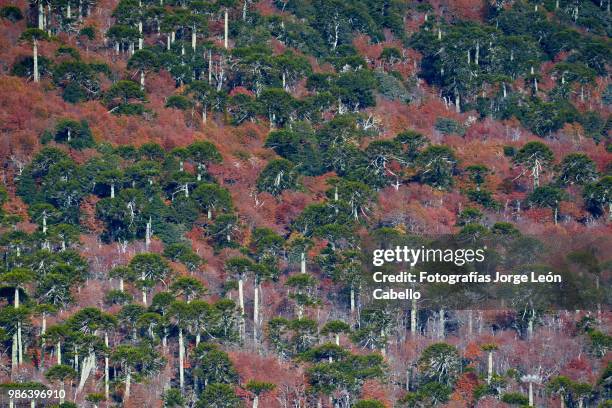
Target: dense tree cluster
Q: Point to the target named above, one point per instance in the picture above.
(225, 264)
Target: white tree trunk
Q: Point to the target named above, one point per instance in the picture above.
(490, 367)
(58, 352)
(530, 394)
(106, 371)
(148, 236)
(181, 358)
(413, 318)
(255, 311)
(41, 16)
(442, 323)
(193, 39)
(209, 66)
(241, 295)
(140, 39)
(128, 382)
(303, 262)
(88, 365)
(19, 343)
(14, 360)
(226, 29)
(35, 55)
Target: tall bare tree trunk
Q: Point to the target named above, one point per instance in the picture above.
(140, 39)
(530, 394)
(41, 16)
(241, 305)
(106, 371)
(35, 56)
(255, 311)
(14, 360)
(226, 29)
(490, 367)
(181, 362)
(128, 382)
(19, 343)
(442, 323)
(209, 66)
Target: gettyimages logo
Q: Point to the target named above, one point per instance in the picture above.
(414, 256)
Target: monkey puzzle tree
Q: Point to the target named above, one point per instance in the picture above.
(150, 268)
(298, 248)
(203, 153)
(239, 268)
(188, 287)
(303, 287)
(436, 166)
(34, 36)
(412, 142)
(535, 157)
(211, 197)
(258, 388)
(212, 366)
(598, 196)
(561, 386)
(223, 230)
(489, 348)
(226, 5)
(335, 328)
(277, 176)
(354, 196)
(577, 168)
(142, 62)
(61, 373)
(478, 174)
(218, 396)
(122, 273)
(547, 197)
(581, 392)
(125, 97)
(203, 94)
(17, 278)
(111, 178)
(181, 315)
(440, 362)
(136, 362)
(292, 67)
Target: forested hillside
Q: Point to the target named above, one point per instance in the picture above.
(189, 187)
